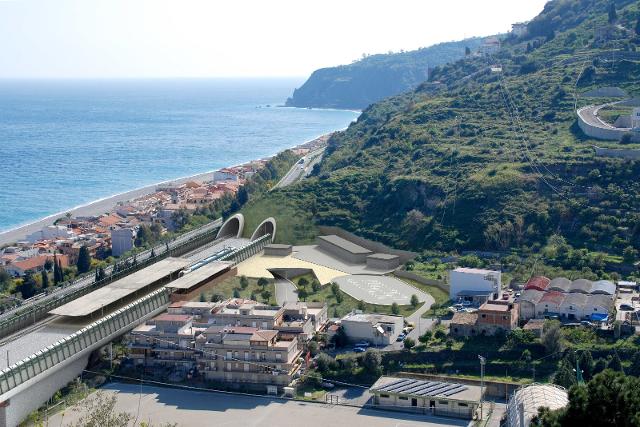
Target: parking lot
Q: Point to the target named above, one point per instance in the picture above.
(159, 405)
(382, 290)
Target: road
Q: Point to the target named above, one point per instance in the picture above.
(89, 279)
(157, 405)
(299, 170)
(285, 291)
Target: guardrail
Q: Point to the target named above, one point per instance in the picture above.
(248, 250)
(89, 336)
(39, 310)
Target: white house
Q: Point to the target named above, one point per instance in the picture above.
(225, 175)
(50, 232)
(464, 279)
(122, 240)
(377, 329)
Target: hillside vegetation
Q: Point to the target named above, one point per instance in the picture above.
(490, 160)
(375, 77)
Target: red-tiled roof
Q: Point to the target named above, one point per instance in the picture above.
(539, 282)
(554, 297)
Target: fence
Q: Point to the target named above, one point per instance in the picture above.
(39, 310)
(92, 335)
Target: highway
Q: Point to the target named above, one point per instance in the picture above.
(89, 278)
(301, 170)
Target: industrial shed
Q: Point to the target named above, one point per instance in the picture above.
(428, 397)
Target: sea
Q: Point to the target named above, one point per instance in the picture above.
(66, 143)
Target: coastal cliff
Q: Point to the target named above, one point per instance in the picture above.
(357, 85)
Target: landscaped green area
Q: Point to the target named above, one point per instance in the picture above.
(242, 287)
(340, 303)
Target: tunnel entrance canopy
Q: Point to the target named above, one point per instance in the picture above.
(268, 226)
(232, 227)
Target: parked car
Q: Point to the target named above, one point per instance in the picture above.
(587, 323)
(363, 344)
(326, 384)
(401, 337)
(626, 307)
(359, 350)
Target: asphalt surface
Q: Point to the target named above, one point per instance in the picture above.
(299, 170)
(285, 291)
(159, 405)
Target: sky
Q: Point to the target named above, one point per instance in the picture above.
(230, 38)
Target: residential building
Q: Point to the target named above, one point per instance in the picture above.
(225, 175)
(241, 355)
(464, 279)
(50, 232)
(427, 397)
(377, 329)
(492, 316)
(519, 29)
(122, 240)
(164, 341)
(34, 265)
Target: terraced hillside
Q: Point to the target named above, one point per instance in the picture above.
(490, 157)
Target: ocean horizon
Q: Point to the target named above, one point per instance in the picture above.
(68, 143)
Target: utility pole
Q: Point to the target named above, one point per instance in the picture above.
(482, 363)
(111, 355)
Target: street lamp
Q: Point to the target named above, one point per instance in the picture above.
(483, 361)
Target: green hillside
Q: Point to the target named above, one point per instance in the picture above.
(375, 77)
(489, 160)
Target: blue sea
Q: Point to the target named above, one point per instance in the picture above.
(65, 143)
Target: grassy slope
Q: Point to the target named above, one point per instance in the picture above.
(457, 169)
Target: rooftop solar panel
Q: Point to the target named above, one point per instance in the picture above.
(393, 385)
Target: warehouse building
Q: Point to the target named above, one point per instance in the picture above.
(463, 280)
(377, 329)
(427, 397)
(344, 249)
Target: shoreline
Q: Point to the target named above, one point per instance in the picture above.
(105, 204)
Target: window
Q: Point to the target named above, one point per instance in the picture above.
(403, 398)
(278, 356)
(246, 355)
(253, 324)
(384, 395)
(504, 317)
(443, 402)
(246, 367)
(484, 316)
(264, 325)
(228, 366)
(463, 404)
(229, 356)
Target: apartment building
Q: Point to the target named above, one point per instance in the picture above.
(247, 356)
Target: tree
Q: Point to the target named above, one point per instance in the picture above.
(362, 306)
(467, 51)
(84, 260)
(409, 343)
(637, 27)
(153, 253)
(58, 274)
(28, 286)
(202, 297)
(414, 301)
(339, 298)
(395, 309)
(312, 346)
(242, 195)
(335, 289)
(303, 282)
(613, 14)
(599, 366)
(371, 361)
(218, 298)
(244, 282)
(564, 376)
(552, 337)
(236, 293)
(426, 337)
(325, 363)
(263, 282)
(265, 296)
(615, 364)
(303, 294)
(99, 410)
(45, 279)
(5, 279)
(101, 273)
(586, 365)
(634, 369)
(315, 285)
(629, 254)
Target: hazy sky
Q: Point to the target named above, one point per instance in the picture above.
(206, 38)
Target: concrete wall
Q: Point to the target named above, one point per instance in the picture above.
(21, 405)
(194, 293)
(440, 284)
(620, 153)
(366, 243)
(610, 134)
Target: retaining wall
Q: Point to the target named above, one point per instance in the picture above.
(620, 153)
(366, 243)
(440, 284)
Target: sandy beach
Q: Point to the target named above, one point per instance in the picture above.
(104, 205)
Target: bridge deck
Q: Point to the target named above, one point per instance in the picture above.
(121, 289)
